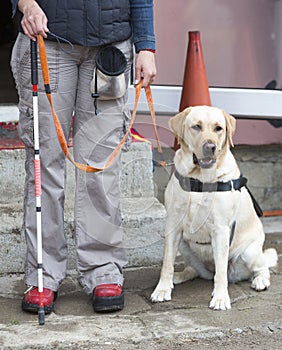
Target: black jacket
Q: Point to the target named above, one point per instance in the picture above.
(88, 22)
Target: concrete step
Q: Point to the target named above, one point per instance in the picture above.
(142, 214)
(143, 222)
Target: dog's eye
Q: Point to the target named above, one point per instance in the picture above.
(218, 128)
(197, 127)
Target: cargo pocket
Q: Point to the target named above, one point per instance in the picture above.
(25, 126)
(21, 66)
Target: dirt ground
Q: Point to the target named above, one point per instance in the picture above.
(268, 339)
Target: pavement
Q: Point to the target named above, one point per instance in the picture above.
(186, 321)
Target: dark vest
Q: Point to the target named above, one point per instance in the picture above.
(88, 22)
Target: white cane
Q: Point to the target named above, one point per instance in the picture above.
(37, 177)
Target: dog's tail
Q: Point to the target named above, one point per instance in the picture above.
(271, 257)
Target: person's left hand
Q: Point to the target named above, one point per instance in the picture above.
(145, 67)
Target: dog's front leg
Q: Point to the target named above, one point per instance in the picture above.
(172, 240)
(220, 243)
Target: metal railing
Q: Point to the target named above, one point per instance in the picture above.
(261, 104)
(242, 103)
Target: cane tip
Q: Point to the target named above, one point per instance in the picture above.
(41, 316)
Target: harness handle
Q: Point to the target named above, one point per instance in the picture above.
(60, 134)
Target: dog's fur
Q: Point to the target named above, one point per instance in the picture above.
(200, 224)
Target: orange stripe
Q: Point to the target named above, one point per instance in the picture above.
(37, 177)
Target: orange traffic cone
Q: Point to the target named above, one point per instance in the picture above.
(195, 89)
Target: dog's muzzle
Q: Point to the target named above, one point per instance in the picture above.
(208, 159)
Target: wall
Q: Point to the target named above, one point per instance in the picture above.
(242, 46)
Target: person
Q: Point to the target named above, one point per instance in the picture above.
(88, 26)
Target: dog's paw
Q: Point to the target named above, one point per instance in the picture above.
(260, 283)
(220, 301)
(162, 292)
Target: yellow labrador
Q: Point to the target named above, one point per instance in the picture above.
(210, 214)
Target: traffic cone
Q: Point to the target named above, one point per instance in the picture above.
(195, 89)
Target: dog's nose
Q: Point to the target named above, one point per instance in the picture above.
(209, 148)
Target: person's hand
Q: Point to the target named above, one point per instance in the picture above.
(145, 67)
(34, 19)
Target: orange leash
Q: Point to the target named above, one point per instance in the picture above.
(267, 213)
(61, 136)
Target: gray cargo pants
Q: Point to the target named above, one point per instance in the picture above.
(98, 230)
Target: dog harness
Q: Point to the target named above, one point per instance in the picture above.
(189, 184)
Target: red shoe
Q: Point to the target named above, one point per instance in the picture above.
(30, 300)
(108, 297)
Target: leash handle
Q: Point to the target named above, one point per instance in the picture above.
(61, 137)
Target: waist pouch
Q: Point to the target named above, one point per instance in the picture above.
(108, 77)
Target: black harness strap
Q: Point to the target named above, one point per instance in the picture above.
(232, 231)
(189, 184)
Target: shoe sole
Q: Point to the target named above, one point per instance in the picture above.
(34, 308)
(107, 304)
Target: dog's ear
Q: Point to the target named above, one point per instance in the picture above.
(176, 124)
(230, 127)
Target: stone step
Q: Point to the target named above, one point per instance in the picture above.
(142, 214)
(143, 222)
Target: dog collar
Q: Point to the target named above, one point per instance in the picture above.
(190, 184)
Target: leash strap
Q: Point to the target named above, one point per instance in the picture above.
(61, 136)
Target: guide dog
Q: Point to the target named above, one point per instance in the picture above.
(210, 214)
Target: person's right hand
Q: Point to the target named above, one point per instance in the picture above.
(34, 19)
